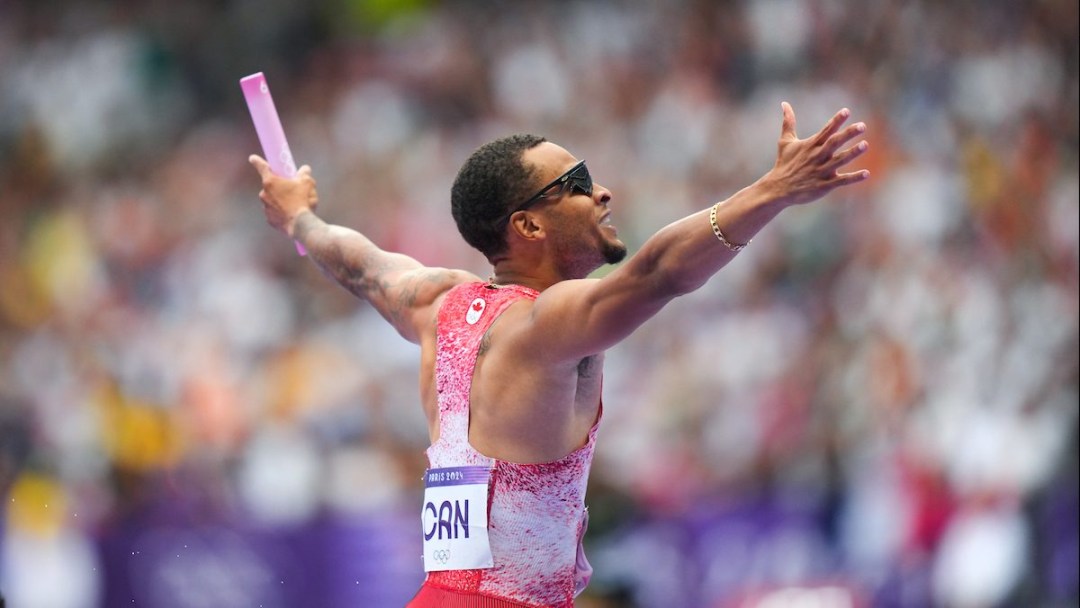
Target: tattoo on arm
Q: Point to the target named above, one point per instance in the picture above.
(329, 254)
(394, 284)
(357, 264)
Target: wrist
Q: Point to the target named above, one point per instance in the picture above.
(301, 225)
(770, 195)
(734, 247)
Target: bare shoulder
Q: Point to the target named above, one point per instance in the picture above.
(533, 327)
(420, 293)
(426, 284)
(565, 292)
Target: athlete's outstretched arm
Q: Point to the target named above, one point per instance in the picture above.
(404, 291)
(594, 314)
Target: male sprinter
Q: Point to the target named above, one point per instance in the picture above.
(511, 366)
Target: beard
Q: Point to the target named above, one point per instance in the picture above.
(613, 251)
(580, 264)
(578, 256)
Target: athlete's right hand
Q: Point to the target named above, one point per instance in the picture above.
(285, 199)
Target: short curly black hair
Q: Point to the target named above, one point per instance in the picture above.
(493, 180)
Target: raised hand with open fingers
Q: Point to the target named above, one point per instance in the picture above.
(808, 169)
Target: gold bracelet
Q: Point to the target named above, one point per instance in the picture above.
(720, 235)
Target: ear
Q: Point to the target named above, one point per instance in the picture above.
(526, 226)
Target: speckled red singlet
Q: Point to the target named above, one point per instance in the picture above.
(537, 511)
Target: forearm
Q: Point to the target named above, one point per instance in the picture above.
(348, 257)
(590, 316)
(688, 252)
(683, 255)
(326, 248)
(398, 287)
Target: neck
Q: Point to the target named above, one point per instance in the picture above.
(534, 274)
(534, 271)
(503, 277)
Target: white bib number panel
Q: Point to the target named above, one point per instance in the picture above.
(455, 519)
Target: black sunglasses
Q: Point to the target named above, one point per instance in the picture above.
(577, 178)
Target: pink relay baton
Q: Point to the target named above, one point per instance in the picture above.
(268, 127)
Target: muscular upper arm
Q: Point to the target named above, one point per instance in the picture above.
(574, 319)
(409, 300)
(404, 291)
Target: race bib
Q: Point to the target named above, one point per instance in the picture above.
(455, 519)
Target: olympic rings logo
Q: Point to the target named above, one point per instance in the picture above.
(441, 556)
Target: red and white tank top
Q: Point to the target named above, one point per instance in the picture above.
(537, 512)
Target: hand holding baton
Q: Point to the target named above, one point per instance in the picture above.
(268, 127)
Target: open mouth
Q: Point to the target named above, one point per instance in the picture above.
(606, 222)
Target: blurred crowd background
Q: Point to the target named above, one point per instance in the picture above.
(874, 405)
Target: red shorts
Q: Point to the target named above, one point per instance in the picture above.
(436, 597)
